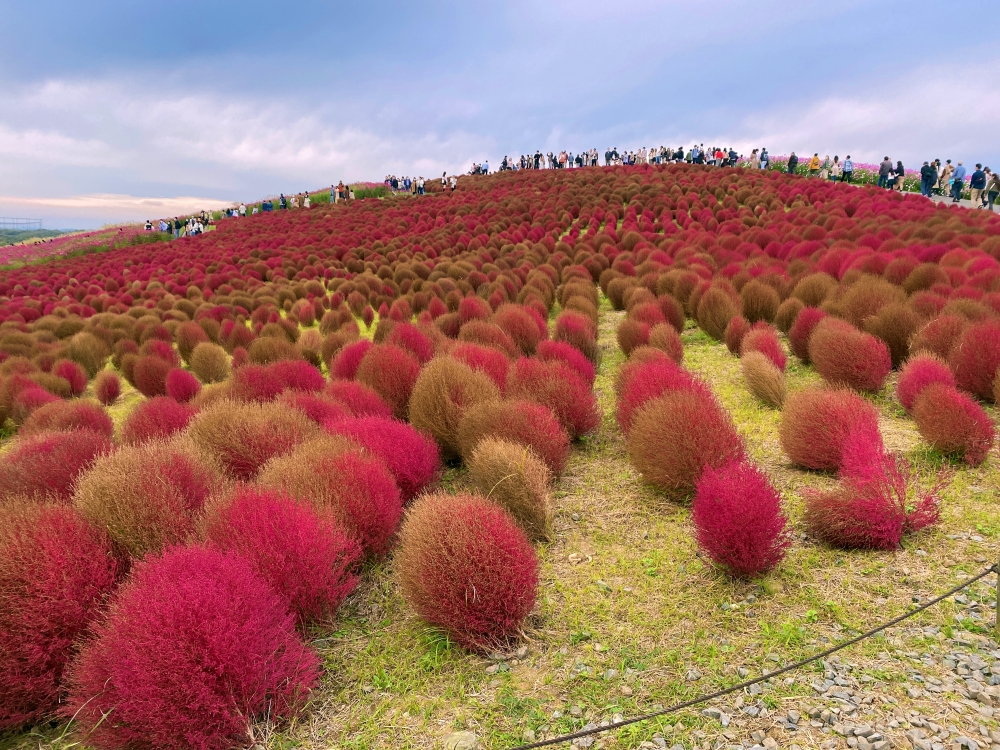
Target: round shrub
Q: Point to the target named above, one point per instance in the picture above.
(45, 466)
(759, 301)
(764, 339)
(266, 350)
(939, 336)
(736, 329)
(763, 379)
(149, 374)
(518, 323)
(802, 330)
(488, 334)
(788, 311)
(843, 355)
(411, 456)
(155, 419)
(407, 336)
(344, 365)
(920, 371)
(557, 386)
(894, 325)
(188, 336)
(715, 309)
(466, 567)
(391, 372)
(181, 385)
(523, 422)
(89, 351)
(442, 393)
(29, 400)
(55, 572)
(675, 436)
(62, 416)
(632, 334)
(648, 381)
(155, 347)
(738, 519)
(317, 406)
(255, 383)
(491, 362)
(107, 387)
(359, 399)
(243, 437)
(210, 363)
(976, 357)
(147, 663)
(953, 423)
(335, 475)
(73, 374)
(665, 338)
(548, 351)
(640, 357)
(577, 330)
(816, 422)
(473, 308)
(302, 553)
(510, 475)
(147, 496)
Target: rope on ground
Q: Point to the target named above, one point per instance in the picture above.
(788, 668)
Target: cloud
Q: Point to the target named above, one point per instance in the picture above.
(128, 207)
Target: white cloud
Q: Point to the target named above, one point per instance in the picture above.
(126, 207)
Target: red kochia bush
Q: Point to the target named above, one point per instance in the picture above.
(519, 323)
(407, 336)
(976, 357)
(45, 466)
(816, 422)
(303, 554)
(843, 355)
(674, 437)
(467, 567)
(55, 571)
(736, 329)
(148, 662)
(648, 381)
(107, 387)
(62, 416)
(411, 456)
(801, 331)
(485, 359)
(181, 385)
(764, 339)
(548, 351)
(578, 330)
(344, 365)
(940, 335)
(255, 383)
(523, 422)
(632, 334)
(870, 509)
(29, 400)
(557, 386)
(149, 374)
(359, 399)
(953, 423)
(75, 375)
(154, 419)
(317, 406)
(391, 372)
(738, 518)
(920, 371)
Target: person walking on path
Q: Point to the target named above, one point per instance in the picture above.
(765, 159)
(835, 169)
(977, 184)
(928, 175)
(824, 170)
(897, 179)
(884, 170)
(959, 183)
(814, 165)
(992, 189)
(848, 170)
(944, 177)
(793, 163)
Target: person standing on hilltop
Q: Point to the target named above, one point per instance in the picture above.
(848, 170)
(835, 168)
(444, 181)
(959, 183)
(793, 163)
(765, 159)
(977, 184)
(928, 175)
(884, 170)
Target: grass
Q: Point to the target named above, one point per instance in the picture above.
(628, 611)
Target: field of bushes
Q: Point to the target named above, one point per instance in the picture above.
(553, 449)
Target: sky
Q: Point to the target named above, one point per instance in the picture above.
(115, 110)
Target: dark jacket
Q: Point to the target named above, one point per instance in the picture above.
(927, 172)
(793, 162)
(978, 181)
(884, 168)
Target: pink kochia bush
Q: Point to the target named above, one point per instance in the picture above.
(46, 466)
(344, 365)
(920, 371)
(73, 373)
(975, 358)
(302, 553)
(194, 649)
(875, 503)
(411, 456)
(816, 422)
(466, 566)
(359, 399)
(845, 356)
(738, 518)
(63, 416)
(556, 385)
(154, 419)
(953, 423)
(548, 351)
(181, 385)
(764, 339)
(55, 571)
(648, 381)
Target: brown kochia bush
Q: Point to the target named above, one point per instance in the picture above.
(715, 309)
(89, 351)
(445, 389)
(788, 311)
(814, 289)
(210, 363)
(759, 301)
(523, 422)
(242, 437)
(895, 325)
(148, 496)
(764, 380)
(512, 476)
(816, 423)
(674, 437)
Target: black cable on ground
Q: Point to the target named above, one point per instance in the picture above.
(712, 696)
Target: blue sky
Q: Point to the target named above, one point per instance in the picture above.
(115, 110)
